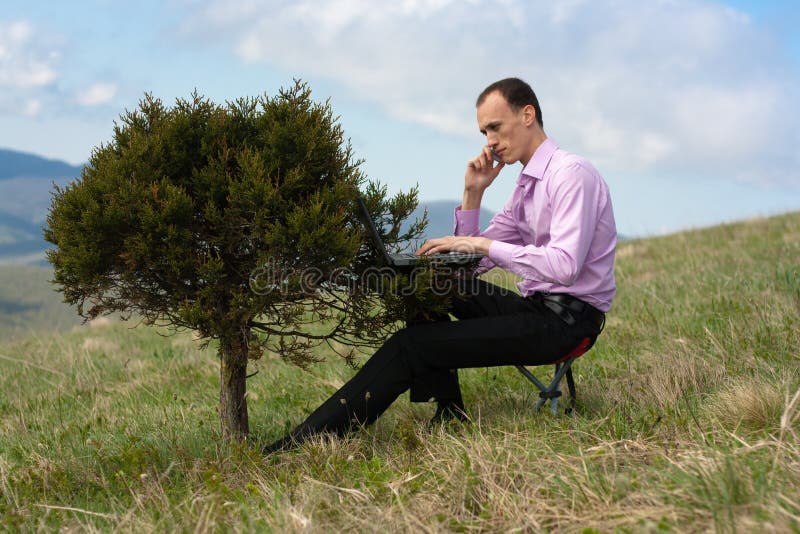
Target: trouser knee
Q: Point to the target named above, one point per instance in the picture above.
(411, 351)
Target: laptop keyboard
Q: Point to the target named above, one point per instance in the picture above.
(450, 255)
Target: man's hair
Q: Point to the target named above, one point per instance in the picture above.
(517, 93)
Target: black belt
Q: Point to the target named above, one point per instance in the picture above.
(568, 308)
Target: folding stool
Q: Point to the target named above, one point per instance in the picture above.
(563, 367)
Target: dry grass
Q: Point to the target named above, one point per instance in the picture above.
(752, 402)
(670, 377)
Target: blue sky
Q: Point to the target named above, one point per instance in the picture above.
(688, 108)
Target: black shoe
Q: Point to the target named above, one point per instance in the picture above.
(447, 412)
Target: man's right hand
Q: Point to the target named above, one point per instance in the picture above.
(481, 172)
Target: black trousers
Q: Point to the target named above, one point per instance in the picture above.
(495, 327)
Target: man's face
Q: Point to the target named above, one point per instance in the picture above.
(507, 132)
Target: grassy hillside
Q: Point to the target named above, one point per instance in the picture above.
(29, 305)
(688, 421)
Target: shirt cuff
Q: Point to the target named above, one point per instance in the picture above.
(501, 254)
(466, 222)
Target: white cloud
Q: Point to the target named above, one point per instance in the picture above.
(30, 84)
(665, 87)
(97, 94)
(23, 63)
(32, 107)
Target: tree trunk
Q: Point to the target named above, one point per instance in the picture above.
(233, 387)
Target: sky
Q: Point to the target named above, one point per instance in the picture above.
(688, 108)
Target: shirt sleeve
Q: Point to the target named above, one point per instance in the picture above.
(501, 227)
(574, 200)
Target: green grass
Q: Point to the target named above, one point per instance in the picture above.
(688, 421)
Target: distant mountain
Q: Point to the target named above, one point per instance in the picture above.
(15, 164)
(26, 183)
(440, 217)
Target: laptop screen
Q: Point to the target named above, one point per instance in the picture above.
(369, 224)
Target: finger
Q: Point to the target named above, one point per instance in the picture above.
(438, 250)
(424, 249)
(442, 244)
(428, 245)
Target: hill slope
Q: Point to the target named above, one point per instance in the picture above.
(29, 304)
(688, 420)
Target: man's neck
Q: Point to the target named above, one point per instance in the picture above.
(539, 137)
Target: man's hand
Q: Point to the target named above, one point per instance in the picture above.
(481, 172)
(470, 245)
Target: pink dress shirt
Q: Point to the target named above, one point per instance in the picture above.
(557, 230)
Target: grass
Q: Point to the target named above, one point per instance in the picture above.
(688, 421)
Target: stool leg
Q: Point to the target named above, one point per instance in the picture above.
(555, 384)
(554, 400)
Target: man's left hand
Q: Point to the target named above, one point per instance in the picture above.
(458, 243)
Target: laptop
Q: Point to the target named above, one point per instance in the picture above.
(408, 259)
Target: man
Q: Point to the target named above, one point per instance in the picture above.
(557, 232)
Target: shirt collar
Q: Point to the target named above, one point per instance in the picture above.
(538, 162)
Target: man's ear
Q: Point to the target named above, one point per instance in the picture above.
(528, 115)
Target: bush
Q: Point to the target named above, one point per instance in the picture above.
(236, 221)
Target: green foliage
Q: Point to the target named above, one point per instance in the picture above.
(231, 220)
